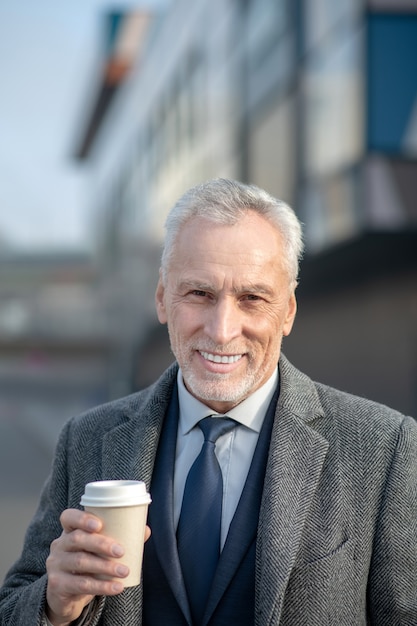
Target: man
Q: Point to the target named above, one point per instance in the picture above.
(319, 500)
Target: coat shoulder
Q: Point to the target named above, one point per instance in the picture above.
(379, 431)
(352, 417)
(102, 418)
(366, 413)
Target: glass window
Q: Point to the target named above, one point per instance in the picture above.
(267, 22)
(329, 211)
(333, 105)
(394, 5)
(392, 83)
(272, 150)
(321, 17)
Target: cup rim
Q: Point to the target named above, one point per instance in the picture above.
(115, 493)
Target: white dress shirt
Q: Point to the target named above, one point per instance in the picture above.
(234, 450)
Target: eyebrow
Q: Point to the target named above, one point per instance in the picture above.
(204, 286)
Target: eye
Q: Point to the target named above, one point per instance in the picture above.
(252, 297)
(199, 292)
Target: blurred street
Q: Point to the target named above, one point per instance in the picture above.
(54, 364)
(25, 454)
(35, 401)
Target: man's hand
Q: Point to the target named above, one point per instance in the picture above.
(77, 560)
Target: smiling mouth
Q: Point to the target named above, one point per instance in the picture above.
(217, 358)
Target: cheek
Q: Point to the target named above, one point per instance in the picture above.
(268, 335)
(185, 316)
(267, 326)
(180, 322)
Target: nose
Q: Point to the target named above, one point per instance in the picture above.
(223, 321)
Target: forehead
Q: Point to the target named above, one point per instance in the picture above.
(245, 250)
(252, 229)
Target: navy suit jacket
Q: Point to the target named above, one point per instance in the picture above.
(336, 541)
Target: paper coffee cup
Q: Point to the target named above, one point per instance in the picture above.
(122, 506)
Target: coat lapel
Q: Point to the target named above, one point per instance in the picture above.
(128, 452)
(295, 463)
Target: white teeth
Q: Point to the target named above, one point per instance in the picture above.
(216, 358)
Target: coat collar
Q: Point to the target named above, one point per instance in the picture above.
(129, 450)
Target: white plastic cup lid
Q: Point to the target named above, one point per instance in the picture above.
(110, 493)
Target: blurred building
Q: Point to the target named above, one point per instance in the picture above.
(55, 344)
(314, 100)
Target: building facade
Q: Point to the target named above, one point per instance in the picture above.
(314, 100)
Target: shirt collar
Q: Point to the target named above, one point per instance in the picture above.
(250, 413)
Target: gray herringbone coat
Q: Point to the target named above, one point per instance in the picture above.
(337, 536)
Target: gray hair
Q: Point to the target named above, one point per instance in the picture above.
(226, 201)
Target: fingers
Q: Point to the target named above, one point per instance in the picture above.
(73, 519)
(82, 564)
(81, 533)
(67, 587)
(79, 553)
(81, 549)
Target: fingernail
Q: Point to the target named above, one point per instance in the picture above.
(93, 525)
(117, 550)
(118, 587)
(122, 570)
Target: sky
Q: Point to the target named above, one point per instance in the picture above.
(49, 50)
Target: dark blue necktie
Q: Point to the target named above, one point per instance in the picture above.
(198, 534)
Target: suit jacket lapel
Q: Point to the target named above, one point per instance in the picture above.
(161, 513)
(296, 457)
(244, 525)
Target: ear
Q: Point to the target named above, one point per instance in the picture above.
(160, 301)
(290, 316)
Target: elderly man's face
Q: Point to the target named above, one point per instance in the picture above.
(228, 303)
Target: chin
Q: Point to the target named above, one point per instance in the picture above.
(214, 391)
